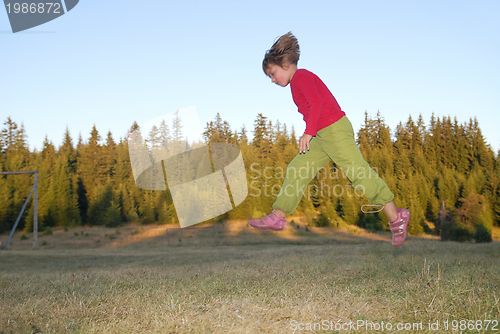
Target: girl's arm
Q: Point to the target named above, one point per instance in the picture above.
(310, 102)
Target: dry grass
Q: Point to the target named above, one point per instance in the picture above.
(252, 282)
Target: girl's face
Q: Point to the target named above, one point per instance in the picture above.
(281, 76)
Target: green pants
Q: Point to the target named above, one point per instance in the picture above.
(335, 142)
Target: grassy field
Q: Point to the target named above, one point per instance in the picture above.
(139, 279)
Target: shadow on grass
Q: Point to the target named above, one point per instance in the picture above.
(238, 232)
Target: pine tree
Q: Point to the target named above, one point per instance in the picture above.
(65, 193)
(154, 139)
(6, 205)
(113, 216)
(9, 134)
(165, 135)
(177, 126)
(47, 207)
(243, 138)
(482, 154)
(98, 208)
(91, 165)
(367, 137)
(178, 140)
(109, 157)
(261, 140)
(346, 208)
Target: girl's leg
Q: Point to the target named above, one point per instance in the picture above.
(338, 142)
(279, 213)
(300, 171)
(390, 211)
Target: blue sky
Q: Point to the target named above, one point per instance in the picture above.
(109, 63)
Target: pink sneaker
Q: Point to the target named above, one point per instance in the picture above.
(399, 227)
(271, 222)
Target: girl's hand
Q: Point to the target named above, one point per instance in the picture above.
(304, 143)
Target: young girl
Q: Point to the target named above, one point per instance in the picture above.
(328, 136)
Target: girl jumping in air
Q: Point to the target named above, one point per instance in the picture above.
(328, 136)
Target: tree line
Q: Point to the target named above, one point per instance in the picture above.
(443, 171)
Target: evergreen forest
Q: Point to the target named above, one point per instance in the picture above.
(443, 171)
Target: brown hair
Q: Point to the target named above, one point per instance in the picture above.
(284, 50)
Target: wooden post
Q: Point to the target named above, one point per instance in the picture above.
(35, 205)
(35, 212)
(18, 218)
(20, 172)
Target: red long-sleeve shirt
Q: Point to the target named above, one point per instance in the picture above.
(315, 101)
